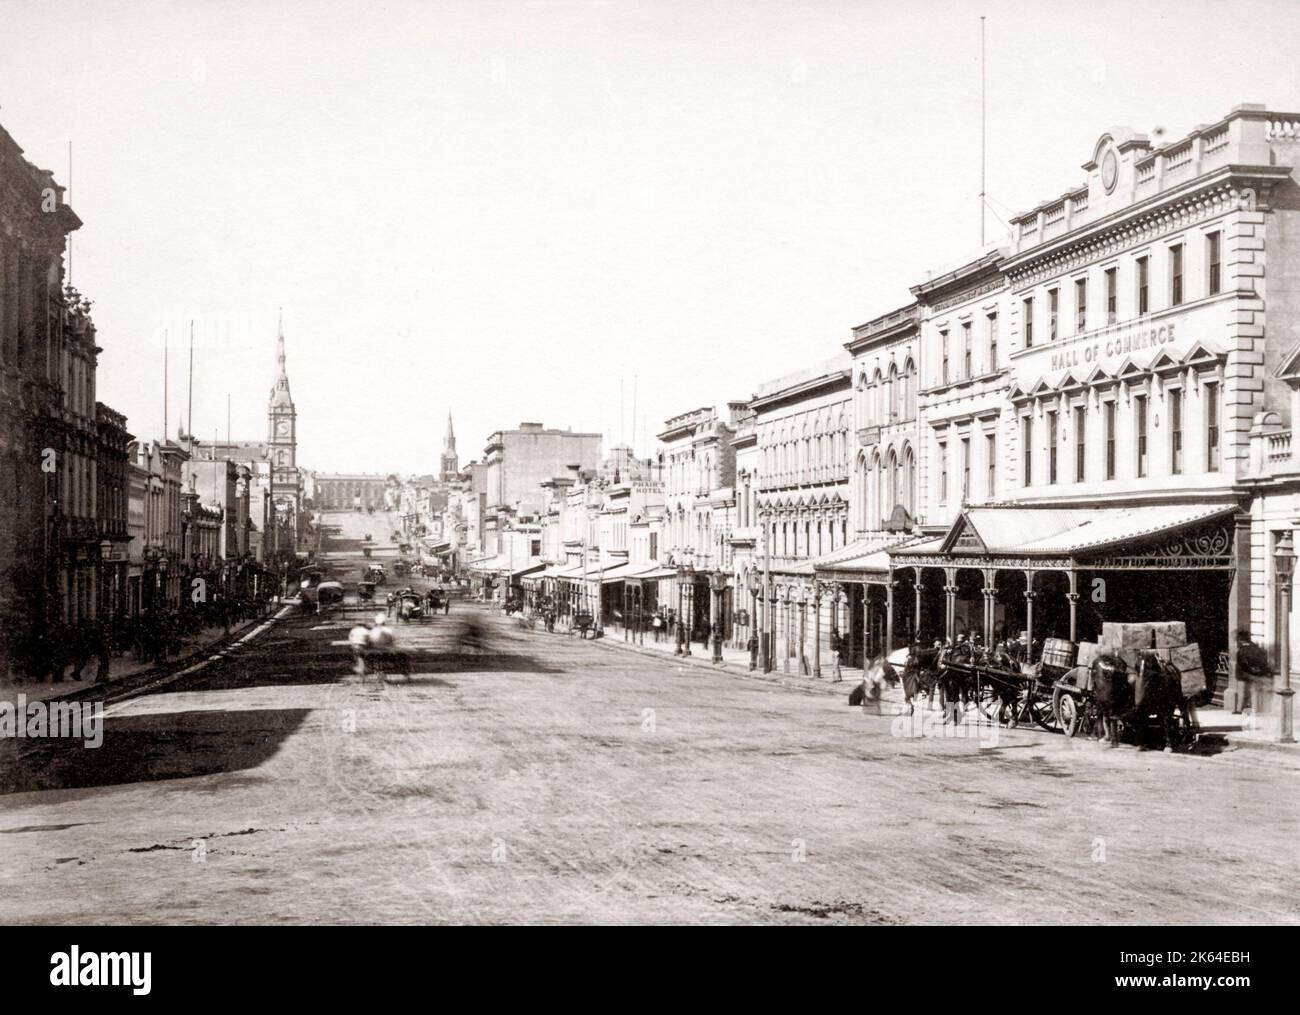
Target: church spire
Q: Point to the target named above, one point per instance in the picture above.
(280, 390)
(450, 463)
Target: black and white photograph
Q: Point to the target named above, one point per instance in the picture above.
(651, 463)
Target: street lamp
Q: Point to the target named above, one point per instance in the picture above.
(685, 576)
(718, 585)
(1284, 567)
(755, 583)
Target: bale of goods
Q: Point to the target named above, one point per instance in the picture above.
(1167, 634)
(1088, 651)
(1059, 652)
(1187, 660)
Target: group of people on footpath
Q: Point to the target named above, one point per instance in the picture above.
(66, 651)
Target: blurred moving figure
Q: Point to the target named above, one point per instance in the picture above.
(375, 644)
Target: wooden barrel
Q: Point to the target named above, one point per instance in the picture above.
(1058, 652)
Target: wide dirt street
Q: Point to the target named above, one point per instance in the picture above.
(544, 779)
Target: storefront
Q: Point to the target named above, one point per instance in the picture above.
(1010, 571)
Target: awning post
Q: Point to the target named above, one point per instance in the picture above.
(1073, 597)
(889, 613)
(817, 629)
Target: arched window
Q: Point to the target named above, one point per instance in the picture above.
(909, 390)
(895, 480)
(892, 394)
(862, 479)
(882, 489)
(909, 479)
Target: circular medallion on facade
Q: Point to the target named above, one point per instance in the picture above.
(1109, 170)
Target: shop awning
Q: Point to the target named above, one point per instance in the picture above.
(859, 556)
(440, 547)
(654, 573)
(531, 568)
(1053, 532)
(616, 573)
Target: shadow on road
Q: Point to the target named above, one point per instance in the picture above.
(172, 745)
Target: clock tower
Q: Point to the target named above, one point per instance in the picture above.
(282, 446)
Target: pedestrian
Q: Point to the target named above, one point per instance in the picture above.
(1252, 665)
(836, 647)
(359, 640)
(105, 652)
(657, 624)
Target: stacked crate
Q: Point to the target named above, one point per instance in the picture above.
(1167, 639)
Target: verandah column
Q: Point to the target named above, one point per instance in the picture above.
(889, 612)
(950, 602)
(916, 607)
(817, 628)
(868, 649)
(990, 596)
(1030, 595)
(1073, 597)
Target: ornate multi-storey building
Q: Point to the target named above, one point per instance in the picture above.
(54, 552)
(1097, 395)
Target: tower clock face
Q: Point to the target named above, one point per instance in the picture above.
(1109, 171)
(282, 428)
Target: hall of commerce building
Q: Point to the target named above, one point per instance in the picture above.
(1101, 408)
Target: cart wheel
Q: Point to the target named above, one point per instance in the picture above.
(1067, 710)
(1044, 711)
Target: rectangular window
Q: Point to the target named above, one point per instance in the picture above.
(943, 473)
(1053, 310)
(1140, 409)
(1051, 447)
(1027, 448)
(966, 350)
(1211, 427)
(1080, 442)
(993, 342)
(1176, 431)
(1176, 275)
(1213, 268)
(943, 377)
(1144, 285)
(1029, 322)
(991, 450)
(965, 469)
(1080, 306)
(1110, 440)
(1112, 295)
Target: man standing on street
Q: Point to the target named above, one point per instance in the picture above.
(1252, 665)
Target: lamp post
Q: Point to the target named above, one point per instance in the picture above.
(767, 640)
(678, 649)
(718, 585)
(1284, 566)
(754, 585)
(685, 623)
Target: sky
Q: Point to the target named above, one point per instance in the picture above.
(526, 211)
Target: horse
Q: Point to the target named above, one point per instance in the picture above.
(956, 682)
(920, 674)
(1110, 694)
(1158, 691)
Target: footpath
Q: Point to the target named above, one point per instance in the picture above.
(128, 676)
(1243, 730)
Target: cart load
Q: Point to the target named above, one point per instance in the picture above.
(1167, 639)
